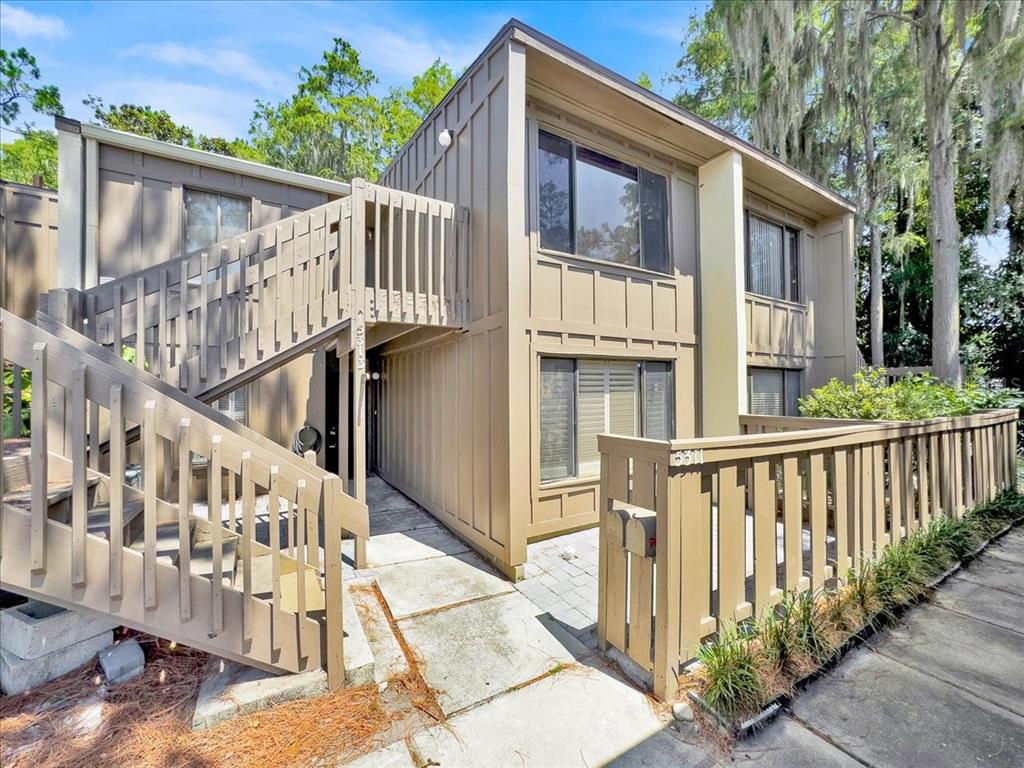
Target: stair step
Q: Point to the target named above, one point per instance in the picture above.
(263, 584)
(166, 543)
(388, 657)
(56, 492)
(99, 516)
(201, 559)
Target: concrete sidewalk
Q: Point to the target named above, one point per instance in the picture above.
(945, 687)
(514, 670)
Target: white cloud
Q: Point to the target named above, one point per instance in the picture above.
(402, 51)
(23, 23)
(225, 62)
(205, 109)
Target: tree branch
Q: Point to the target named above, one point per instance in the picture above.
(894, 15)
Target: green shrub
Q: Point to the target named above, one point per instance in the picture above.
(872, 397)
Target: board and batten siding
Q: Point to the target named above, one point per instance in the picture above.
(28, 246)
(817, 333)
(443, 411)
(579, 307)
(141, 205)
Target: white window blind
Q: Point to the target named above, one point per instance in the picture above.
(607, 402)
(236, 405)
(766, 269)
(765, 391)
(657, 400)
(557, 414)
(580, 399)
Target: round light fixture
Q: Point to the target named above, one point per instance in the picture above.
(444, 138)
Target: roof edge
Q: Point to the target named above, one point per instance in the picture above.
(538, 40)
(132, 141)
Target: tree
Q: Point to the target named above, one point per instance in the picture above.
(950, 40)
(335, 126)
(18, 75)
(34, 153)
(158, 124)
(331, 126)
(823, 84)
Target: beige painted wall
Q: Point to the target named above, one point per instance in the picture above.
(722, 282)
(28, 246)
(463, 480)
(817, 334)
(579, 307)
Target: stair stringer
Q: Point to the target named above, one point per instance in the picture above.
(298, 643)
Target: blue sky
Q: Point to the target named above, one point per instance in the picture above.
(206, 63)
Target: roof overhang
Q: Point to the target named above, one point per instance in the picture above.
(551, 61)
(130, 141)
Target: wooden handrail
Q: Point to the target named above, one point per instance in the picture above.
(854, 487)
(74, 379)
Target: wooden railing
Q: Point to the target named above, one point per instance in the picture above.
(699, 533)
(76, 387)
(203, 320)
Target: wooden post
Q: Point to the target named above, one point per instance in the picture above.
(117, 458)
(667, 595)
(40, 455)
(334, 655)
(357, 329)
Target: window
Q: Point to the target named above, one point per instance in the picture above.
(773, 259)
(235, 405)
(580, 399)
(211, 218)
(773, 392)
(593, 205)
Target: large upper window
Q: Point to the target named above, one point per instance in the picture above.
(773, 392)
(580, 399)
(211, 218)
(596, 206)
(773, 259)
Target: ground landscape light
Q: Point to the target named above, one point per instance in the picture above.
(444, 138)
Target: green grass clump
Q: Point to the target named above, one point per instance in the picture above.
(734, 685)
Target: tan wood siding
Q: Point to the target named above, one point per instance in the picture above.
(445, 407)
(140, 215)
(582, 307)
(28, 246)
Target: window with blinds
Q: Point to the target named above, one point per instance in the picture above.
(580, 399)
(773, 392)
(557, 418)
(235, 405)
(773, 259)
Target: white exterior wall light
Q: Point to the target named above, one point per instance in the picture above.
(444, 138)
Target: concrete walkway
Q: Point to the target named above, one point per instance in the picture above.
(945, 687)
(513, 667)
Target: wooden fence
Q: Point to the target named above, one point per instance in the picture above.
(698, 533)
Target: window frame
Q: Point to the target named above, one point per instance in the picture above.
(186, 189)
(788, 374)
(640, 414)
(789, 233)
(640, 168)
